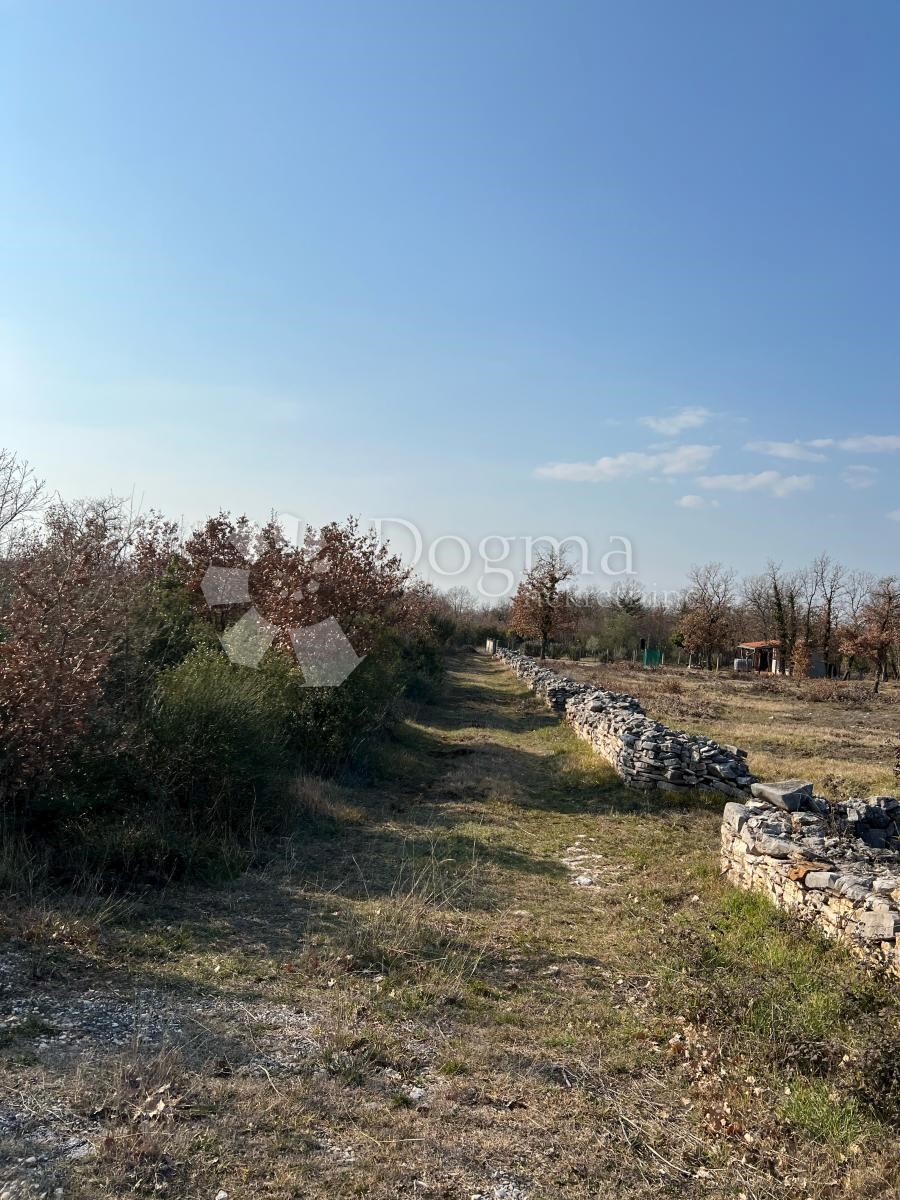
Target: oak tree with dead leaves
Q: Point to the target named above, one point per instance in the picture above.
(541, 609)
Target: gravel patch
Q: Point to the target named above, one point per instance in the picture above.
(40, 1133)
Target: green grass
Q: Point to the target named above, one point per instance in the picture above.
(782, 985)
(814, 1108)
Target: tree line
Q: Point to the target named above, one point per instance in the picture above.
(850, 618)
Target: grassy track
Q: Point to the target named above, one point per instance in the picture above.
(417, 999)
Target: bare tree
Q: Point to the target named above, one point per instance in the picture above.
(856, 591)
(21, 492)
(807, 590)
(758, 607)
(830, 579)
(855, 594)
(460, 601)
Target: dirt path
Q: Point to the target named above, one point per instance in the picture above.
(495, 974)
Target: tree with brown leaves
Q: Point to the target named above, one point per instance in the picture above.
(801, 659)
(541, 609)
(708, 612)
(871, 630)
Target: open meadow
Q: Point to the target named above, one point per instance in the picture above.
(837, 734)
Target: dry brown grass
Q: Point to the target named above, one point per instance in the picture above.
(416, 1001)
(837, 734)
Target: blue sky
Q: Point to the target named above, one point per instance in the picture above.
(494, 268)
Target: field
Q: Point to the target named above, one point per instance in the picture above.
(838, 735)
(412, 996)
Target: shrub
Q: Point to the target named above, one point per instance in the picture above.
(835, 691)
(220, 739)
(801, 660)
(127, 737)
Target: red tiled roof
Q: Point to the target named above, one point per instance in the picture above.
(759, 645)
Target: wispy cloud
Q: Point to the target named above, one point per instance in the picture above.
(677, 422)
(894, 515)
(681, 460)
(762, 481)
(869, 443)
(795, 450)
(859, 476)
(697, 502)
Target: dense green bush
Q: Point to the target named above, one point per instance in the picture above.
(220, 740)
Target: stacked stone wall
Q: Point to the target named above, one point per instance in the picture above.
(647, 755)
(835, 866)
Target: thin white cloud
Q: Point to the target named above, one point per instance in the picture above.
(686, 418)
(762, 481)
(871, 443)
(894, 515)
(794, 450)
(691, 501)
(859, 476)
(681, 460)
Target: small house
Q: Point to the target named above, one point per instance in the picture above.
(758, 656)
(765, 657)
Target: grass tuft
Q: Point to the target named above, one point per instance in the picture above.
(817, 1109)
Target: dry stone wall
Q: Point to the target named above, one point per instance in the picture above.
(836, 866)
(646, 754)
